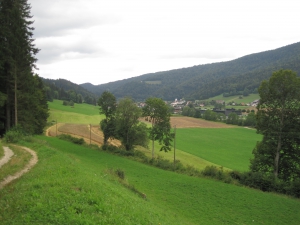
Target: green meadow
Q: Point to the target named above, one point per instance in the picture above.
(71, 185)
(236, 99)
(227, 147)
(79, 114)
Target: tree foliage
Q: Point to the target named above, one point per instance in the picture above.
(22, 97)
(157, 112)
(108, 106)
(278, 120)
(128, 127)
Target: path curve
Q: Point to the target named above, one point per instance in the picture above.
(31, 163)
(8, 153)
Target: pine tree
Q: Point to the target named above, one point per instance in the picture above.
(17, 61)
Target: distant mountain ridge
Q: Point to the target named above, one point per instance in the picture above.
(204, 81)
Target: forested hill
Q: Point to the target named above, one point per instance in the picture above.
(66, 90)
(203, 81)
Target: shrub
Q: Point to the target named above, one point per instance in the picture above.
(258, 180)
(294, 188)
(120, 173)
(14, 135)
(67, 137)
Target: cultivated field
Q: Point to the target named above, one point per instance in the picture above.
(200, 143)
(189, 122)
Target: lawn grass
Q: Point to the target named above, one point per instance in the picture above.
(228, 147)
(69, 185)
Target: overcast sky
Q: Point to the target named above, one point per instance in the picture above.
(100, 41)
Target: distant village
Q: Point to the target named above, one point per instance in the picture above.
(177, 106)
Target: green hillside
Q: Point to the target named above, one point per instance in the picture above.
(71, 185)
(205, 81)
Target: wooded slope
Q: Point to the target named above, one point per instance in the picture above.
(204, 81)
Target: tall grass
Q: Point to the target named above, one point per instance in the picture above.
(70, 185)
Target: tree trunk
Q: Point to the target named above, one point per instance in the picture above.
(152, 143)
(8, 116)
(16, 101)
(277, 154)
(276, 160)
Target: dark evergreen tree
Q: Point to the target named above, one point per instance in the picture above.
(17, 61)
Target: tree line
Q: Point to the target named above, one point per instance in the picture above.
(23, 100)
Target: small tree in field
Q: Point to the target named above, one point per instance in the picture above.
(108, 106)
(157, 112)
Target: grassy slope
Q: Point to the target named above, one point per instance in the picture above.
(80, 114)
(69, 186)
(231, 148)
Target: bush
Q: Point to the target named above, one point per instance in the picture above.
(294, 188)
(14, 135)
(66, 137)
(258, 180)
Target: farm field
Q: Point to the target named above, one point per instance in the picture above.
(199, 143)
(230, 147)
(71, 185)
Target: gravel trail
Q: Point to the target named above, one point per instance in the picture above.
(31, 163)
(8, 153)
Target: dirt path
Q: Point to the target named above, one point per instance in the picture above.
(8, 153)
(31, 163)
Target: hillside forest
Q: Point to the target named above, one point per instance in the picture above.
(22, 98)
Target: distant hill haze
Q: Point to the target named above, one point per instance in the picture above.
(238, 76)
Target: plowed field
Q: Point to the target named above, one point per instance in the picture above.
(189, 122)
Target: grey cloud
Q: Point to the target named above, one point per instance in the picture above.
(200, 55)
(55, 18)
(51, 52)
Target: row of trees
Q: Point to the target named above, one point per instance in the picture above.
(232, 118)
(122, 122)
(22, 97)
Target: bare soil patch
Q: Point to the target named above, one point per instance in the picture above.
(89, 134)
(8, 153)
(189, 122)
